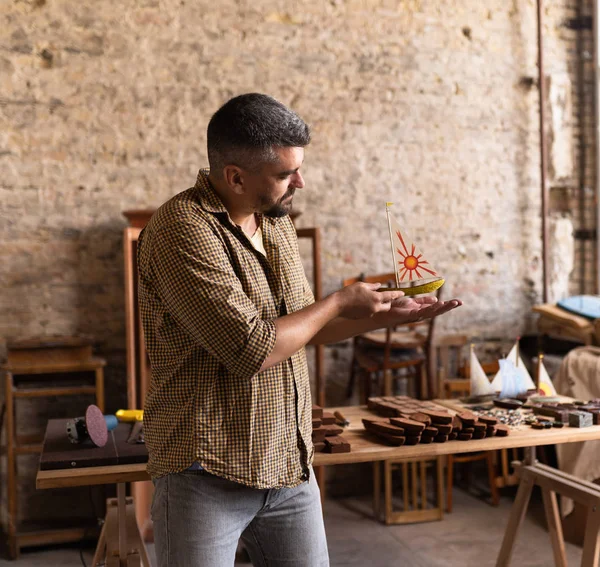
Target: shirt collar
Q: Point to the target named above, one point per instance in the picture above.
(207, 196)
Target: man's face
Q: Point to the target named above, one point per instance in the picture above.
(275, 184)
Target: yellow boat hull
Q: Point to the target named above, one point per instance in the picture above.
(418, 289)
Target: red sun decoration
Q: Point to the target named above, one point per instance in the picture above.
(410, 263)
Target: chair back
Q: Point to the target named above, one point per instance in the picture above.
(449, 363)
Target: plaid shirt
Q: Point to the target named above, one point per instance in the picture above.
(208, 301)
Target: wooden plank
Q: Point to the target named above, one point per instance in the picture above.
(515, 519)
(57, 367)
(58, 391)
(130, 237)
(591, 540)
(92, 475)
(415, 486)
(554, 527)
(423, 465)
(405, 486)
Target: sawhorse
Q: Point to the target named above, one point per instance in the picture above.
(553, 481)
(120, 543)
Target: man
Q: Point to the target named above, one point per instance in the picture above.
(227, 311)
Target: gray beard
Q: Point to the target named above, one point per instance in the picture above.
(280, 209)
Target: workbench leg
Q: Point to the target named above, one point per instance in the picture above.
(554, 527)
(122, 515)
(591, 542)
(377, 489)
(515, 519)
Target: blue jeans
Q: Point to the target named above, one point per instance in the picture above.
(199, 519)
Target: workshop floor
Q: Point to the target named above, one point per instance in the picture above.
(470, 536)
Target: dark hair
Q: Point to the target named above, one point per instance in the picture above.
(245, 130)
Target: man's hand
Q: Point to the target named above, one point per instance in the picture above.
(361, 300)
(410, 310)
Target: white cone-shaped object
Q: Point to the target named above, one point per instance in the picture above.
(480, 383)
(524, 380)
(544, 381)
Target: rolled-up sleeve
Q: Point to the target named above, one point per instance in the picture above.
(195, 279)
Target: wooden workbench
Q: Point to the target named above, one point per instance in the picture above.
(366, 448)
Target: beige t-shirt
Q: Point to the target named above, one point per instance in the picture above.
(257, 241)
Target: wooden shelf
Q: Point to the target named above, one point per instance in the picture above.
(28, 449)
(44, 360)
(56, 391)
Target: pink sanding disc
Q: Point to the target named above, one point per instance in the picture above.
(96, 426)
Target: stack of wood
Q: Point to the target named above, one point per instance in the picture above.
(576, 414)
(326, 434)
(406, 421)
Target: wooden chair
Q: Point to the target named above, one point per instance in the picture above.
(452, 382)
(383, 354)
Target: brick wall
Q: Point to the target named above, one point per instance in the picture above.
(431, 105)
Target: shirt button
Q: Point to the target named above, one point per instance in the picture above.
(304, 476)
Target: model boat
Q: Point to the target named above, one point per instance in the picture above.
(414, 274)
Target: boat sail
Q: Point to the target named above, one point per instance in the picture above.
(480, 383)
(513, 377)
(545, 385)
(414, 274)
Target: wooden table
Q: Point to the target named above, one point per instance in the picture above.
(366, 448)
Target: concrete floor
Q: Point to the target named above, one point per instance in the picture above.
(470, 536)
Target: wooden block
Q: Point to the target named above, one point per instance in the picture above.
(426, 439)
(420, 416)
(316, 423)
(411, 426)
(328, 418)
(336, 445)
(479, 427)
(382, 427)
(319, 447)
(479, 434)
(453, 435)
(389, 439)
(317, 412)
(490, 431)
(444, 428)
(502, 430)
(508, 403)
(412, 439)
(440, 438)
(467, 418)
(537, 425)
(456, 423)
(557, 414)
(430, 431)
(465, 436)
(318, 434)
(438, 416)
(332, 430)
(469, 430)
(488, 420)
